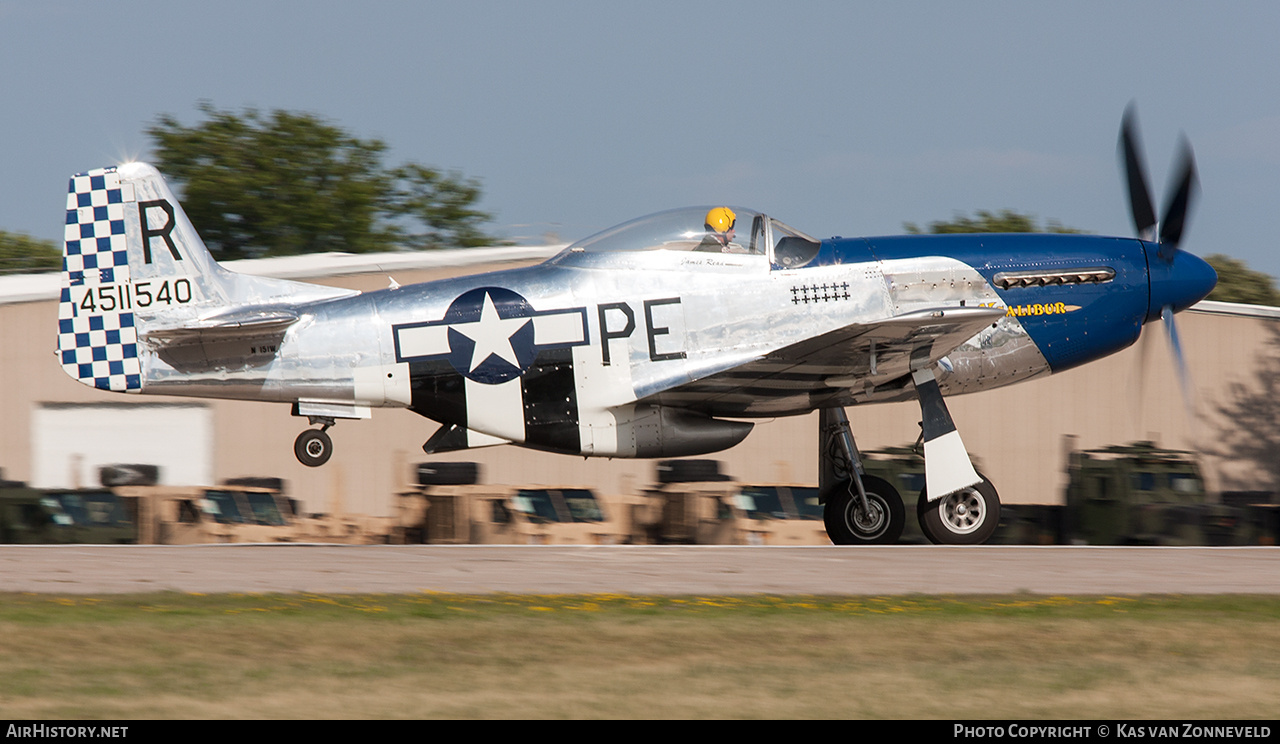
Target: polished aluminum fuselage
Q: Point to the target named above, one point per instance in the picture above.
(727, 310)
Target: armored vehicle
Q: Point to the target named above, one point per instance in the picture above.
(694, 503)
(785, 514)
(187, 515)
(1141, 494)
(448, 505)
(61, 516)
(131, 507)
(233, 513)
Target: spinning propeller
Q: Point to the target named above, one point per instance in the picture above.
(1177, 279)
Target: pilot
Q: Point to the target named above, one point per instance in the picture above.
(719, 238)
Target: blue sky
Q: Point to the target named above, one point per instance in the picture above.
(840, 118)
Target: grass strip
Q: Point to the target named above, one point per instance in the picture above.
(427, 655)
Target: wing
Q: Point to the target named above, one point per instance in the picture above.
(871, 361)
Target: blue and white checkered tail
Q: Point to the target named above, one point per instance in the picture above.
(97, 329)
(130, 258)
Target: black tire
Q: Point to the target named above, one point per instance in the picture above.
(845, 526)
(966, 517)
(313, 448)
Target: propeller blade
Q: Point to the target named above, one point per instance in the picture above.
(1179, 204)
(1142, 372)
(1175, 345)
(1135, 170)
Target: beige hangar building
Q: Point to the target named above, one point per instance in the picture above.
(55, 432)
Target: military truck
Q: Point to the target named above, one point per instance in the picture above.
(239, 513)
(780, 514)
(190, 515)
(63, 516)
(69, 515)
(448, 505)
(691, 503)
(694, 503)
(1141, 494)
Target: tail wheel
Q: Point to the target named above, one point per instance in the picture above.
(848, 524)
(967, 517)
(313, 448)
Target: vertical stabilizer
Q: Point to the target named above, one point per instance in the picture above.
(132, 265)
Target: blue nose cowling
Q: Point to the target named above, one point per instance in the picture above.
(1178, 283)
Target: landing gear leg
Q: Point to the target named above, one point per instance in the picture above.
(966, 508)
(313, 447)
(859, 509)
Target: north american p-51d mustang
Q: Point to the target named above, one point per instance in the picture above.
(661, 337)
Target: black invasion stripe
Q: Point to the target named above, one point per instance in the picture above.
(438, 392)
(551, 403)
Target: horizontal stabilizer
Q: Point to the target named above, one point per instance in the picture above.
(240, 325)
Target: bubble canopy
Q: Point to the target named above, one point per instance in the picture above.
(752, 233)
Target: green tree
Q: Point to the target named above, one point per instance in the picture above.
(1005, 221)
(285, 183)
(1239, 283)
(441, 202)
(25, 254)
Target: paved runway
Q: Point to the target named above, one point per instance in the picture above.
(638, 569)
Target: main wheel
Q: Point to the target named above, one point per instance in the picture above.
(967, 517)
(313, 448)
(847, 524)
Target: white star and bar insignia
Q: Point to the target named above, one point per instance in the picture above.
(490, 335)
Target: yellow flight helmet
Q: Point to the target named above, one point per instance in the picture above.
(721, 219)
